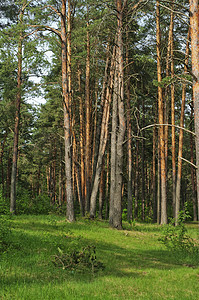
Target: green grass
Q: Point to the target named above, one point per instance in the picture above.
(137, 264)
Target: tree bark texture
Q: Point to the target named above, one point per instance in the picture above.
(88, 126)
(103, 139)
(17, 120)
(194, 25)
(67, 115)
(193, 170)
(180, 147)
(117, 202)
(173, 146)
(161, 120)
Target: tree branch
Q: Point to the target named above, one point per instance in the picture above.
(189, 162)
(52, 8)
(47, 28)
(176, 126)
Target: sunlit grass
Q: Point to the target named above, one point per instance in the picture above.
(137, 264)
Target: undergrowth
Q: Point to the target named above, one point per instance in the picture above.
(78, 260)
(178, 241)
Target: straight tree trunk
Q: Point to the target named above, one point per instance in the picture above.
(193, 171)
(129, 138)
(77, 176)
(88, 126)
(161, 120)
(159, 185)
(143, 164)
(154, 172)
(113, 146)
(173, 147)
(70, 215)
(101, 191)
(179, 174)
(136, 179)
(81, 137)
(117, 204)
(107, 183)
(17, 120)
(8, 175)
(194, 23)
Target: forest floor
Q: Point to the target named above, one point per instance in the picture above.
(136, 263)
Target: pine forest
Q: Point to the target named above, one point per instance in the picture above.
(99, 109)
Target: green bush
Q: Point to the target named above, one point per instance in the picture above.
(176, 239)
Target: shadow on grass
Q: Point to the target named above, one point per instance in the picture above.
(34, 244)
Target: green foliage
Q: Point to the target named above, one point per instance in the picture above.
(26, 205)
(40, 205)
(176, 238)
(4, 205)
(124, 214)
(78, 260)
(4, 233)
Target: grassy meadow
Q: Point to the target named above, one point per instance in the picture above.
(136, 264)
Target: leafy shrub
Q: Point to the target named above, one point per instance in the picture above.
(82, 260)
(176, 239)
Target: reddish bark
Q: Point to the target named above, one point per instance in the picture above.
(194, 23)
(161, 121)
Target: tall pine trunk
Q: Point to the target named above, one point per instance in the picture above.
(88, 126)
(173, 112)
(161, 121)
(67, 111)
(179, 174)
(129, 138)
(117, 203)
(17, 120)
(193, 171)
(194, 23)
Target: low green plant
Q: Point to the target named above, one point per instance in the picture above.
(78, 260)
(124, 214)
(176, 238)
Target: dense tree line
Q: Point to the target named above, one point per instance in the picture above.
(116, 133)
